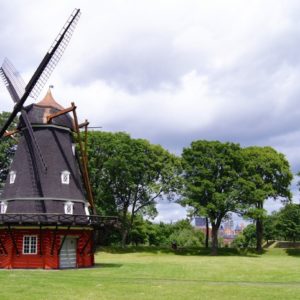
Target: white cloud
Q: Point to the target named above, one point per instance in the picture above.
(170, 212)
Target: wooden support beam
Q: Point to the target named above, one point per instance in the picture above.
(54, 240)
(64, 238)
(59, 113)
(13, 240)
(86, 244)
(85, 140)
(41, 241)
(84, 124)
(11, 133)
(3, 247)
(85, 174)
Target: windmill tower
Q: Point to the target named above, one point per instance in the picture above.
(45, 219)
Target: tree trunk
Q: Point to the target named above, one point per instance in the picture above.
(124, 230)
(207, 233)
(259, 230)
(124, 237)
(259, 235)
(214, 239)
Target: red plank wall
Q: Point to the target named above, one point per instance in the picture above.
(46, 260)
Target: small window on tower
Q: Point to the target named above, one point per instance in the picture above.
(3, 207)
(12, 176)
(65, 177)
(69, 208)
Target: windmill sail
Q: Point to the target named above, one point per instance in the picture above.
(12, 80)
(44, 70)
(16, 87)
(53, 56)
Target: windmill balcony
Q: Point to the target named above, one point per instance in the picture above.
(56, 219)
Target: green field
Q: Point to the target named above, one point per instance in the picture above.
(155, 274)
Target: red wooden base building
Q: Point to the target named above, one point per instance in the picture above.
(46, 248)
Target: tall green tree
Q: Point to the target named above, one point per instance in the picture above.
(266, 175)
(211, 179)
(7, 148)
(185, 235)
(129, 175)
(138, 233)
(270, 227)
(247, 238)
(159, 234)
(288, 222)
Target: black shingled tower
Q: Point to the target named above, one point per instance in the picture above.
(37, 186)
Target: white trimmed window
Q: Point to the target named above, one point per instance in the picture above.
(12, 176)
(29, 244)
(69, 208)
(65, 177)
(3, 207)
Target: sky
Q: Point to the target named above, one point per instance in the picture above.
(170, 71)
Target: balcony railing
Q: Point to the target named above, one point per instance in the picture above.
(56, 219)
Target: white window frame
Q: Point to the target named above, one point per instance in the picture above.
(69, 208)
(65, 177)
(31, 247)
(3, 207)
(12, 177)
(74, 148)
(86, 208)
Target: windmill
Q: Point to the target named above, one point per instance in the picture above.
(45, 219)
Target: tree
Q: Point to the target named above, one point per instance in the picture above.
(7, 148)
(184, 235)
(247, 238)
(270, 227)
(138, 234)
(289, 222)
(211, 175)
(129, 175)
(266, 175)
(159, 234)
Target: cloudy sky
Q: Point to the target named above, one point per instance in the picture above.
(170, 71)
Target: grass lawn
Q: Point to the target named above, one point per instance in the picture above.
(155, 274)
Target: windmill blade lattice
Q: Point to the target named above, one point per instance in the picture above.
(55, 53)
(16, 87)
(44, 70)
(12, 80)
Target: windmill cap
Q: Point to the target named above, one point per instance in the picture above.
(48, 101)
(38, 112)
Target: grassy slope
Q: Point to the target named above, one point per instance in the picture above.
(155, 275)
